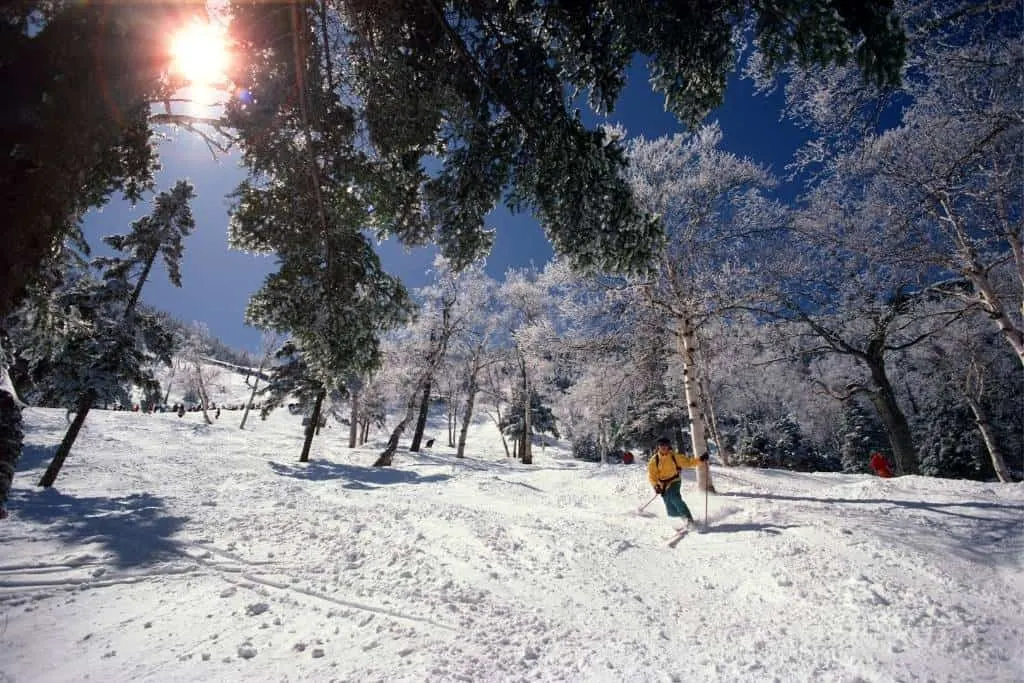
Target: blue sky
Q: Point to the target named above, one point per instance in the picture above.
(217, 282)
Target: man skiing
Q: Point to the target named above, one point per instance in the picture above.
(663, 469)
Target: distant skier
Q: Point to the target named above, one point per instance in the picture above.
(880, 466)
(663, 469)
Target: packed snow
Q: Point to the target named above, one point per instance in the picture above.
(172, 550)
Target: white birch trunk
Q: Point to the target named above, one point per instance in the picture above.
(698, 427)
(998, 461)
(976, 272)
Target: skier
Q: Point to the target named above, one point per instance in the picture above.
(663, 470)
(880, 466)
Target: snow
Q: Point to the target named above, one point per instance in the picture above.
(171, 550)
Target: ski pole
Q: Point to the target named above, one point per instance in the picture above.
(647, 503)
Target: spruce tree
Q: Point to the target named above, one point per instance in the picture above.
(861, 435)
(292, 379)
(951, 446)
(111, 342)
(310, 195)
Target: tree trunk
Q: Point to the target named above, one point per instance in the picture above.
(994, 451)
(248, 404)
(421, 420)
(84, 406)
(167, 394)
(11, 438)
(386, 457)
(364, 436)
(467, 417)
(978, 274)
(526, 445)
(453, 422)
(353, 421)
(687, 341)
(204, 400)
(252, 394)
(895, 422)
(314, 420)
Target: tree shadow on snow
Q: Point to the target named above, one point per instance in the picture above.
(770, 529)
(356, 477)
(975, 536)
(34, 456)
(427, 459)
(940, 508)
(135, 528)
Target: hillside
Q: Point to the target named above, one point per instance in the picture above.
(226, 384)
(175, 551)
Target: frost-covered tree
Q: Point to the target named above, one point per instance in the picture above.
(112, 342)
(530, 310)
(489, 88)
(473, 348)
(962, 370)
(945, 179)
(454, 294)
(598, 346)
(200, 375)
(441, 314)
(717, 220)
(866, 335)
(269, 343)
(541, 421)
(951, 446)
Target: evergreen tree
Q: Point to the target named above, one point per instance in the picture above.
(63, 148)
(542, 420)
(861, 436)
(793, 451)
(489, 87)
(310, 194)
(110, 342)
(586, 448)
(293, 380)
(951, 446)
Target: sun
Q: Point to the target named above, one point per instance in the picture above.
(199, 54)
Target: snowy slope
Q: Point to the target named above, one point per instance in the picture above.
(226, 385)
(175, 551)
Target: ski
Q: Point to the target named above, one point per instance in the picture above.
(674, 541)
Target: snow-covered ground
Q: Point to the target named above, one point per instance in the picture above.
(175, 551)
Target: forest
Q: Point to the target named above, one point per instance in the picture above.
(881, 308)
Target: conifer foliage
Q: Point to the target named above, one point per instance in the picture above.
(111, 344)
(492, 89)
(310, 194)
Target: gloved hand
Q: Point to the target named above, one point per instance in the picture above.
(659, 489)
(704, 458)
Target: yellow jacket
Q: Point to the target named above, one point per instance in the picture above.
(662, 470)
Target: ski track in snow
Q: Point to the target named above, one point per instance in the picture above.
(175, 551)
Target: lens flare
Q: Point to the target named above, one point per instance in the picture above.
(200, 55)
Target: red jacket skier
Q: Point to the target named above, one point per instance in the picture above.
(880, 466)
